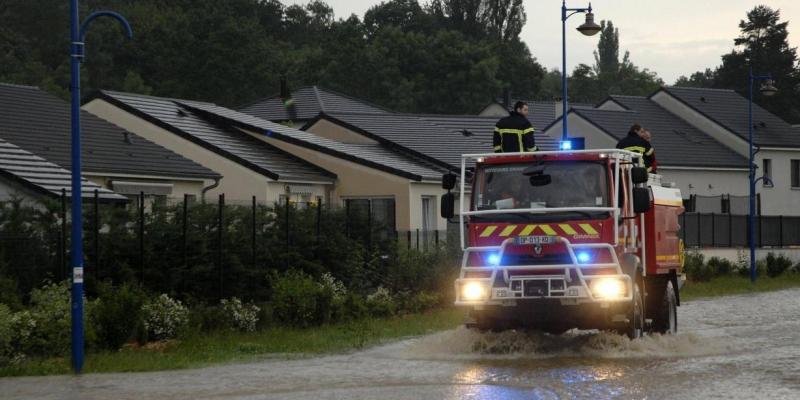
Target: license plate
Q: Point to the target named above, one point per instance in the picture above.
(522, 240)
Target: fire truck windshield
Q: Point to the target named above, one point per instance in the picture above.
(548, 184)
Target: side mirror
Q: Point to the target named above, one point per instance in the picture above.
(448, 205)
(639, 175)
(641, 200)
(448, 181)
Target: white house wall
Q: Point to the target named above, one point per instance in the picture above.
(330, 130)
(781, 199)
(579, 127)
(701, 182)
(11, 191)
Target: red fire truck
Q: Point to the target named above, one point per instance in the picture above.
(567, 239)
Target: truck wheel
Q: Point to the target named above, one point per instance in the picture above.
(635, 326)
(665, 319)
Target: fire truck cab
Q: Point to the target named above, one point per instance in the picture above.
(567, 239)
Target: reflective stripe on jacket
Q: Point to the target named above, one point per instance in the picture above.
(513, 134)
(636, 144)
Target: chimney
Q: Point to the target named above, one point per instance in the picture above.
(507, 98)
(285, 94)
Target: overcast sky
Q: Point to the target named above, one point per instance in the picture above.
(671, 37)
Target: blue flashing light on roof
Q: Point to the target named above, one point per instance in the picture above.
(583, 257)
(268, 132)
(575, 143)
(566, 145)
(493, 259)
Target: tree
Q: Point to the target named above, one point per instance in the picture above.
(704, 79)
(606, 57)
(764, 46)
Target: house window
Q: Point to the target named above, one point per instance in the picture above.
(428, 213)
(379, 212)
(767, 172)
(796, 174)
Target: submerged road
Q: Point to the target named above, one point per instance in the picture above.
(739, 347)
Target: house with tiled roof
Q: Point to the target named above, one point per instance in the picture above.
(723, 115)
(305, 103)
(540, 113)
(440, 139)
(398, 187)
(28, 177)
(112, 157)
(249, 167)
(700, 138)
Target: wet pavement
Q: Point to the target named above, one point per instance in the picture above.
(741, 347)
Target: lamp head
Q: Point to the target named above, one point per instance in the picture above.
(589, 28)
(768, 88)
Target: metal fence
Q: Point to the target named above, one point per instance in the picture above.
(164, 243)
(729, 230)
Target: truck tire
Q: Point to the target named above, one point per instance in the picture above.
(634, 328)
(665, 316)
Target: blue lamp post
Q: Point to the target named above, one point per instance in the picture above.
(767, 89)
(77, 36)
(588, 28)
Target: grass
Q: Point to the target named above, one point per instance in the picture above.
(734, 284)
(223, 347)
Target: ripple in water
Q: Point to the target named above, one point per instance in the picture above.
(463, 343)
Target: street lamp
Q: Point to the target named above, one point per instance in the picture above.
(588, 28)
(767, 89)
(77, 38)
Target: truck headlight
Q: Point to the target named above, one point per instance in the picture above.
(608, 288)
(472, 291)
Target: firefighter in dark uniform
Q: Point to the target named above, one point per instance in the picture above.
(636, 143)
(514, 133)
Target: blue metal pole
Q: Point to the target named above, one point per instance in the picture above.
(564, 134)
(752, 176)
(76, 52)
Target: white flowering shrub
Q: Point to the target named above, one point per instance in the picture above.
(381, 303)
(336, 286)
(239, 316)
(164, 317)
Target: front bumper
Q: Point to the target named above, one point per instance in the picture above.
(586, 288)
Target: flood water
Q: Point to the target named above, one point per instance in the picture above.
(741, 347)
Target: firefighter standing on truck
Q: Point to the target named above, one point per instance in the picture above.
(636, 143)
(514, 133)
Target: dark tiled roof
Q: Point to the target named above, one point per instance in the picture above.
(230, 143)
(729, 109)
(40, 123)
(309, 102)
(378, 156)
(41, 176)
(676, 142)
(439, 138)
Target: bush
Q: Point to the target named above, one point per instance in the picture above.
(6, 335)
(761, 268)
(419, 302)
(777, 265)
(117, 314)
(299, 300)
(720, 266)
(9, 293)
(238, 316)
(164, 317)
(696, 268)
(45, 328)
(381, 303)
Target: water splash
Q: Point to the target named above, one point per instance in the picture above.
(463, 343)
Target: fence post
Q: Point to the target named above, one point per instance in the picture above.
(184, 231)
(409, 238)
(141, 238)
(437, 240)
(730, 226)
(369, 226)
(220, 207)
(780, 227)
(63, 251)
(417, 239)
(253, 222)
(287, 233)
(760, 232)
(347, 219)
(713, 230)
(699, 238)
(96, 237)
(319, 221)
